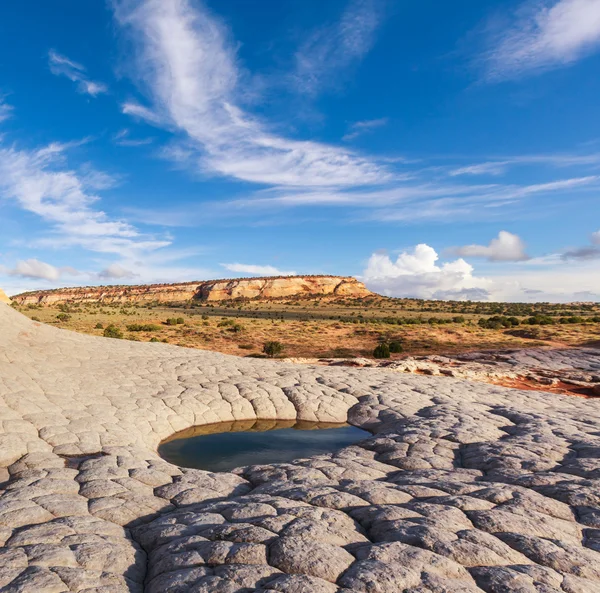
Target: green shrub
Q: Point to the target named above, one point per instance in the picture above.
(154, 339)
(382, 351)
(396, 347)
(272, 348)
(180, 321)
(112, 331)
(143, 327)
(62, 317)
(171, 321)
(99, 326)
(34, 318)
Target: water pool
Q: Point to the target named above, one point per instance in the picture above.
(227, 445)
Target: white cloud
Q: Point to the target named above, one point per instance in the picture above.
(546, 34)
(491, 168)
(329, 51)
(38, 270)
(188, 66)
(38, 182)
(257, 270)
(416, 274)
(62, 66)
(123, 138)
(359, 128)
(116, 271)
(505, 247)
(596, 238)
(5, 110)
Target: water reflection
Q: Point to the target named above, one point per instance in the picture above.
(226, 445)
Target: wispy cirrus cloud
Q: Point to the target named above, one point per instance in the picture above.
(543, 35)
(62, 66)
(359, 128)
(330, 51)
(123, 138)
(5, 110)
(498, 166)
(257, 270)
(39, 182)
(187, 64)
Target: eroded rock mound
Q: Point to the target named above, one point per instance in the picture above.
(464, 487)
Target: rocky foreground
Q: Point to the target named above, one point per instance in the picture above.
(464, 486)
(209, 291)
(573, 371)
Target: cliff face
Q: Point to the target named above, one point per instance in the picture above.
(210, 291)
(4, 298)
(250, 288)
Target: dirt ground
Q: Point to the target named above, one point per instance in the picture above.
(327, 328)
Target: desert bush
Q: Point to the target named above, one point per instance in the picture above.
(62, 317)
(498, 322)
(154, 339)
(540, 320)
(382, 351)
(396, 347)
(143, 327)
(272, 348)
(99, 326)
(175, 321)
(112, 331)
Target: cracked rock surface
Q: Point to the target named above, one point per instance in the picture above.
(464, 486)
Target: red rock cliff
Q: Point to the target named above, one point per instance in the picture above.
(212, 290)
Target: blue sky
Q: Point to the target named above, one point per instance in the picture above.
(433, 149)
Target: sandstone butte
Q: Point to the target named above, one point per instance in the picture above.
(463, 487)
(3, 297)
(212, 290)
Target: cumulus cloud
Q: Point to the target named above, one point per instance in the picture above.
(116, 272)
(330, 51)
(62, 66)
(38, 270)
(417, 274)
(545, 34)
(257, 270)
(505, 247)
(188, 66)
(359, 128)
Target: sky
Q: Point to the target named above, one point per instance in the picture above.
(431, 149)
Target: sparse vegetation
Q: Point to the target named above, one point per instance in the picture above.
(143, 327)
(381, 351)
(112, 331)
(337, 327)
(62, 317)
(272, 348)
